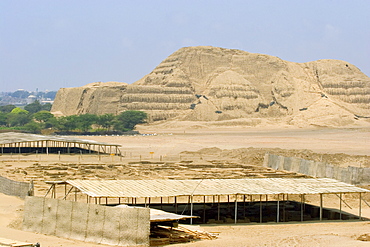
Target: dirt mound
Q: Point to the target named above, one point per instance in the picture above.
(96, 98)
(364, 237)
(221, 85)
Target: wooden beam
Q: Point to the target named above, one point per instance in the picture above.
(69, 191)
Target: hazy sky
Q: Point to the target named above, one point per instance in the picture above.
(69, 43)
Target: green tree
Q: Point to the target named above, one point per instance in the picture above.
(18, 117)
(46, 107)
(3, 118)
(85, 121)
(68, 123)
(129, 119)
(105, 121)
(50, 123)
(33, 107)
(7, 108)
(33, 127)
(43, 116)
(18, 110)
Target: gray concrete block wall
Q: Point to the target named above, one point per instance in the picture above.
(49, 218)
(95, 223)
(64, 219)
(351, 175)
(364, 176)
(87, 222)
(79, 221)
(296, 164)
(288, 164)
(34, 211)
(111, 234)
(15, 188)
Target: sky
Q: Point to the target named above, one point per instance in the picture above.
(52, 44)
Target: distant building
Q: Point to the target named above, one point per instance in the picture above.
(31, 99)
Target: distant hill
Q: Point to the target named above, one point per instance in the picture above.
(227, 85)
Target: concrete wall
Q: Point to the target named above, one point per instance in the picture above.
(351, 175)
(87, 222)
(14, 188)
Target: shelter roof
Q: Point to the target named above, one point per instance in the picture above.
(157, 215)
(208, 187)
(14, 137)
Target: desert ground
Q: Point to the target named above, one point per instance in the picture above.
(246, 146)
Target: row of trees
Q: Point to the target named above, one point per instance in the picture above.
(35, 121)
(107, 122)
(32, 108)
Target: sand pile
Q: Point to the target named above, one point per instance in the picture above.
(216, 84)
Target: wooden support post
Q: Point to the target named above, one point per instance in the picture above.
(175, 204)
(340, 206)
(284, 204)
(66, 194)
(359, 207)
(47, 192)
(278, 209)
(260, 208)
(244, 206)
(52, 191)
(302, 207)
(204, 209)
(236, 209)
(218, 208)
(321, 203)
(55, 191)
(191, 210)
